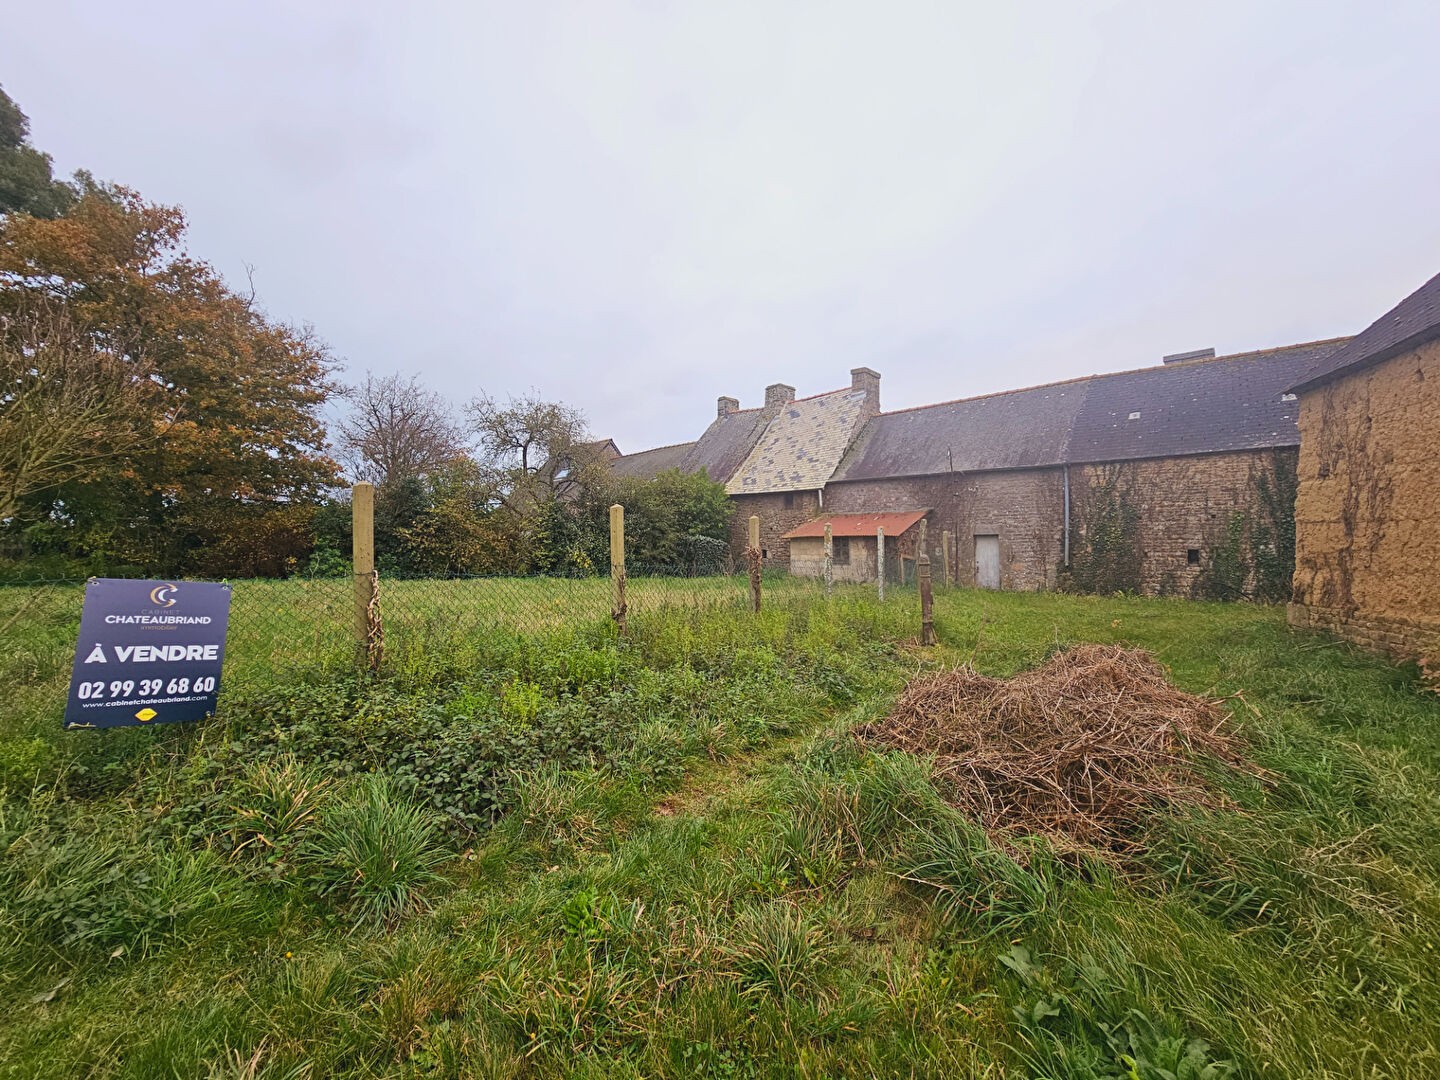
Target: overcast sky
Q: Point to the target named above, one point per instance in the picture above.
(635, 208)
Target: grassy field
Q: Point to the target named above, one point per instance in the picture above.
(534, 850)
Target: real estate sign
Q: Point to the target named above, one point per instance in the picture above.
(149, 652)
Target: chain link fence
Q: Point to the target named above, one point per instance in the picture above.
(300, 627)
(281, 629)
(278, 628)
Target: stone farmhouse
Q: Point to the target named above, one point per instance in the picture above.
(1176, 478)
(1367, 514)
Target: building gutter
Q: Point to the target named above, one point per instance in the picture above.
(1067, 515)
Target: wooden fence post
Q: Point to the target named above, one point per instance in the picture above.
(369, 632)
(927, 619)
(829, 560)
(945, 556)
(880, 561)
(752, 553)
(618, 606)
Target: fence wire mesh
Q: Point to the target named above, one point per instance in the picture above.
(298, 627)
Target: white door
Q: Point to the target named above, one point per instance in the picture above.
(987, 561)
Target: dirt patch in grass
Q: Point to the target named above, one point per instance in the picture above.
(1076, 750)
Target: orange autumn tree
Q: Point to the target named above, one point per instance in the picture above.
(227, 451)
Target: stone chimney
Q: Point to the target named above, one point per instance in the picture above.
(725, 406)
(868, 380)
(1181, 357)
(777, 396)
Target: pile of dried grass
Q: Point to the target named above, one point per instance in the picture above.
(1075, 750)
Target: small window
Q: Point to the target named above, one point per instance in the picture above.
(764, 553)
(840, 550)
(789, 500)
(1134, 416)
(1192, 556)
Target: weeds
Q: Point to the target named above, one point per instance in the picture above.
(375, 850)
(567, 854)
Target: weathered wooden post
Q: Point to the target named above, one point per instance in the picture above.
(829, 560)
(945, 556)
(752, 554)
(618, 607)
(369, 633)
(927, 620)
(880, 561)
(920, 543)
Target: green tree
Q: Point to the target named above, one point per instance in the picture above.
(27, 181)
(537, 463)
(229, 414)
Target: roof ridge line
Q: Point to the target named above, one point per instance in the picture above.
(652, 449)
(823, 393)
(1112, 374)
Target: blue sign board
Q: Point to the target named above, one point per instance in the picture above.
(149, 653)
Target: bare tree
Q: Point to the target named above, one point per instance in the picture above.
(65, 406)
(532, 450)
(398, 430)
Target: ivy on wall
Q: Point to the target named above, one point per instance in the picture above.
(1106, 556)
(1256, 561)
(1253, 559)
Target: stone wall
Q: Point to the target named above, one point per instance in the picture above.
(1181, 505)
(776, 519)
(1368, 512)
(1399, 636)
(807, 558)
(1023, 507)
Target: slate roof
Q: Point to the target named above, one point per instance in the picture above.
(1012, 430)
(802, 445)
(1201, 406)
(1410, 323)
(893, 523)
(726, 444)
(648, 464)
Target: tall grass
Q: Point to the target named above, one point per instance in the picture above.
(562, 853)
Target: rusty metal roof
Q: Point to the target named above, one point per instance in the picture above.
(858, 524)
(1409, 324)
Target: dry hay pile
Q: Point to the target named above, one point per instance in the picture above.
(1075, 750)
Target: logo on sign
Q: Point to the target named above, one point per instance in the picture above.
(164, 595)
